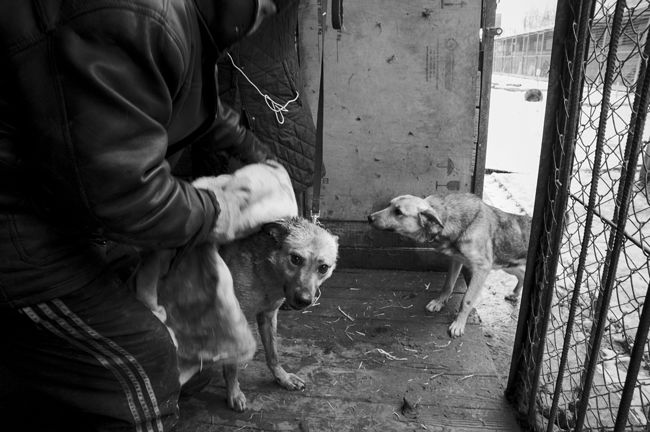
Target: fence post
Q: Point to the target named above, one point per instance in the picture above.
(558, 142)
(554, 102)
(633, 369)
(488, 14)
(602, 124)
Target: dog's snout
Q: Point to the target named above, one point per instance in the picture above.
(370, 219)
(302, 299)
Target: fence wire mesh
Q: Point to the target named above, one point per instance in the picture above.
(584, 361)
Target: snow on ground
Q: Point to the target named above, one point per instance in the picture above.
(511, 192)
(515, 126)
(514, 140)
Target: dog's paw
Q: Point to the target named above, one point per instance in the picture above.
(291, 382)
(435, 305)
(237, 401)
(456, 329)
(512, 297)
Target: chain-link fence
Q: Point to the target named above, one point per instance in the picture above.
(582, 358)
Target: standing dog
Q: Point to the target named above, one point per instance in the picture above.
(284, 263)
(470, 232)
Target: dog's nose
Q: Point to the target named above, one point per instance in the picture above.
(302, 299)
(370, 219)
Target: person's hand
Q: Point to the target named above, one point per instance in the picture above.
(252, 196)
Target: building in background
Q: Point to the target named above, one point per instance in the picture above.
(524, 47)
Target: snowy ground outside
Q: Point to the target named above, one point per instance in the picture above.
(515, 126)
(514, 140)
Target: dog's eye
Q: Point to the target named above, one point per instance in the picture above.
(398, 212)
(296, 259)
(322, 269)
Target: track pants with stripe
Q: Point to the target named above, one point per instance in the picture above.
(92, 360)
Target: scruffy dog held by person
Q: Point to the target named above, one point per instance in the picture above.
(194, 295)
(470, 232)
(285, 263)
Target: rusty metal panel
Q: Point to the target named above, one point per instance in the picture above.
(400, 99)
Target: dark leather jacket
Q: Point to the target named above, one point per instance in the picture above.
(94, 95)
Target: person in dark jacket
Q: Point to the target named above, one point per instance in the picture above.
(97, 100)
(270, 59)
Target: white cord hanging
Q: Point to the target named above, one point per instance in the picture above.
(277, 108)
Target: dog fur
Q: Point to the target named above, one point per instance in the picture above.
(195, 297)
(284, 263)
(470, 232)
(196, 301)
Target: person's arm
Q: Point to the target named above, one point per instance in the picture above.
(100, 111)
(227, 138)
(230, 136)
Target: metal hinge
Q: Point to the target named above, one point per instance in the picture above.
(492, 31)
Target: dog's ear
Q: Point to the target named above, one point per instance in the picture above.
(428, 216)
(278, 230)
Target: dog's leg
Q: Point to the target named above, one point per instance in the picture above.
(452, 275)
(236, 398)
(268, 322)
(519, 273)
(470, 301)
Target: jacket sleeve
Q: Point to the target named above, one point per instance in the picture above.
(227, 137)
(109, 101)
(238, 141)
